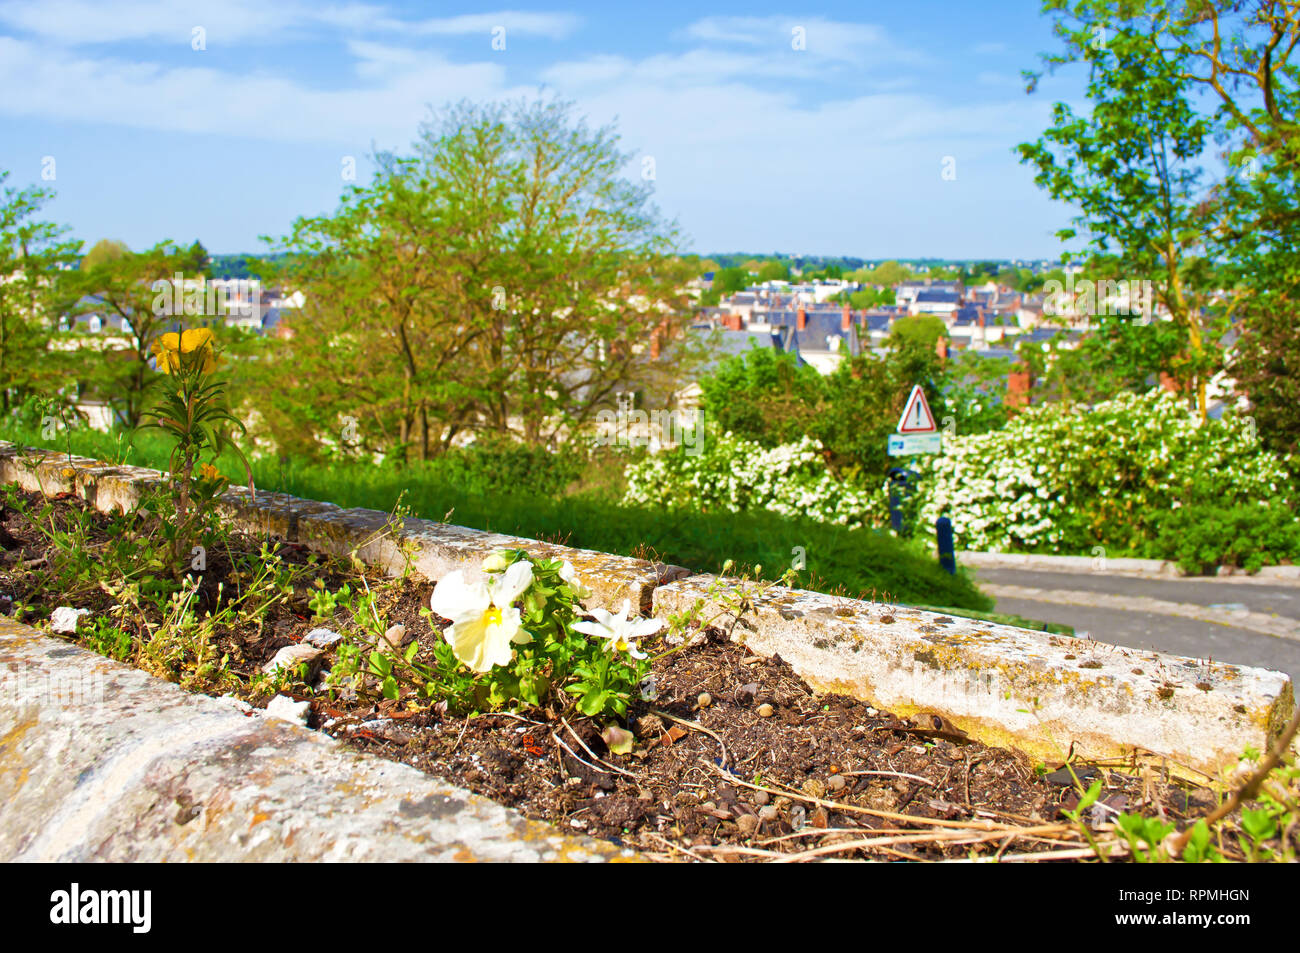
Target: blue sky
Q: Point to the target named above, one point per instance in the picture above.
(836, 148)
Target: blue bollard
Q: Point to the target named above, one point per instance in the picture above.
(947, 551)
(902, 484)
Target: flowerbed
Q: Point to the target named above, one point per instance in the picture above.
(717, 754)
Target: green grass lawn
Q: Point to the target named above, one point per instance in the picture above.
(860, 563)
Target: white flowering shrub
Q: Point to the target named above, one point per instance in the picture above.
(1061, 479)
(1136, 474)
(733, 474)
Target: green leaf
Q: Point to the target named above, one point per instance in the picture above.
(592, 701)
(1090, 797)
(380, 664)
(1259, 824)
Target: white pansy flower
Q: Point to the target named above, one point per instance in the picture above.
(484, 622)
(619, 631)
(570, 577)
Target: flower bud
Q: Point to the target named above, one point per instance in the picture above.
(620, 740)
(496, 563)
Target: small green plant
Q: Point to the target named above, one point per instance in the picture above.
(106, 638)
(1086, 800)
(517, 638)
(196, 418)
(324, 603)
(1199, 849)
(1145, 836)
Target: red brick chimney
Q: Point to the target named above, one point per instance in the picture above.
(941, 347)
(1018, 388)
(802, 319)
(846, 319)
(981, 317)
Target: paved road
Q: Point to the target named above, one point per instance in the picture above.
(1243, 622)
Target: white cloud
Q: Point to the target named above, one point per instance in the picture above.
(556, 26)
(680, 69)
(87, 22)
(822, 39)
(253, 105)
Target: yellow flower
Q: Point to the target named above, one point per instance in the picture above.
(169, 347)
(208, 472)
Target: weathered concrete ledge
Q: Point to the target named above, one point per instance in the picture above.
(102, 762)
(1035, 691)
(1030, 690)
(434, 549)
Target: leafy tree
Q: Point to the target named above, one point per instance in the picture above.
(1116, 355)
(32, 254)
(1267, 367)
(887, 273)
(774, 271)
(920, 329)
(864, 399)
(199, 262)
(1011, 277)
(977, 273)
(972, 387)
(503, 278)
(730, 280)
(102, 252)
(828, 273)
(764, 395)
(373, 340)
(868, 298)
(1133, 170)
(1239, 55)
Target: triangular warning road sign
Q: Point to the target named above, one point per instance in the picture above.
(916, 415)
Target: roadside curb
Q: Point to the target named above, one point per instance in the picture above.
(1279, 627)
(1124, 566)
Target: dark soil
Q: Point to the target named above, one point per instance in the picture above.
(736, 757)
